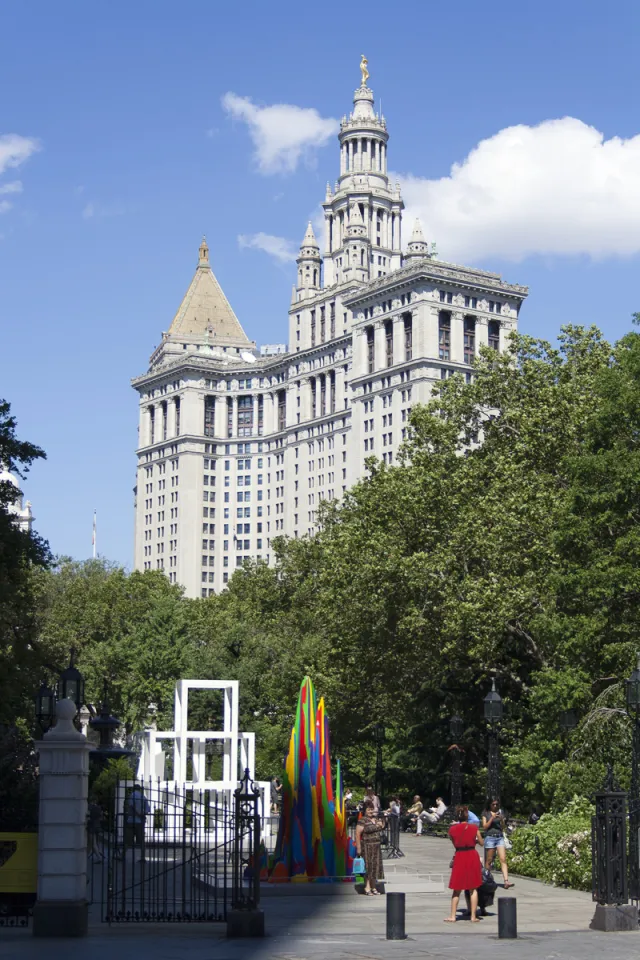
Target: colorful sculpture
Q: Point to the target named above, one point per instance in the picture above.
(313, 841)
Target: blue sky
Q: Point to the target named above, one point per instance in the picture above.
(123, 155)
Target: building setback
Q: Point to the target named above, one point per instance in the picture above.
(237, 445)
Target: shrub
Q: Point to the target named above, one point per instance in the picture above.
(557, 849)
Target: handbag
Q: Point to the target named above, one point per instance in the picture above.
(358, 865)
(507, 842)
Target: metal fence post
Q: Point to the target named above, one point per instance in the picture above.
(609, 860)
(245, 919)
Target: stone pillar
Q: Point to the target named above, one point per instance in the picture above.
(317, 387)
(305, 399)
(254, 430)
(234, 417)
(220, 415)
(457, 337)
(171, 419)
(482, 333)
(61, 909)
(398, 339)
(380, 347)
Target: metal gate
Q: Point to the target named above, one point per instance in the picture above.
(163, 854)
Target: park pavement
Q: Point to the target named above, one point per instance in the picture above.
(552, 925)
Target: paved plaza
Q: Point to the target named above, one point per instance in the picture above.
(552, 923)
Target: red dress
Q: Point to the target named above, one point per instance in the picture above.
(467, 871)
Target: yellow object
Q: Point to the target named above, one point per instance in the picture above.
(18, 862)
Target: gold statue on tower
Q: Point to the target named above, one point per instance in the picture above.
(364, 71)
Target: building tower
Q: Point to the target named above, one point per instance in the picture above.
(357, 248)
(417, 248)
(309, 265)
(364, 186)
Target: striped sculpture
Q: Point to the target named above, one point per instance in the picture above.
(313, 842)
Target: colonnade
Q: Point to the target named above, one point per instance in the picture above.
(363, 154)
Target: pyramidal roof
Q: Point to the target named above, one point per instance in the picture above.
(417, 236)
(205, 309)
(309, 239)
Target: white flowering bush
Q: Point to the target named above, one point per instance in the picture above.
(557, 849)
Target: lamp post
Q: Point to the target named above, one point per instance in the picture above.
(632, 690)
(493, 716)
(456, 729)
(378, 737)
(106, 725)
(45, 707)
(71, 684)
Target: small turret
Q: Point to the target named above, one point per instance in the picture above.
(309, 263)
(357, 247)
(203, 254)
(418, 248)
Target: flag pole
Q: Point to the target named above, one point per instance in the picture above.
(93, 539)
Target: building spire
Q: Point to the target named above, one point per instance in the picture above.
(204, 253)
(309, 239)
(418, 248)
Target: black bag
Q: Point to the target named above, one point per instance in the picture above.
(486, 891)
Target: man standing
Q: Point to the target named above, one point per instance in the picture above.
(137, 808)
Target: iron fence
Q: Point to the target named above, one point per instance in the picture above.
(164, 854)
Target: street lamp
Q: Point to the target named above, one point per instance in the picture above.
(106, 725)
(632, 691)
(456, 729)
(45, 707)
(493, 716)
(71, 684)
(378, 739)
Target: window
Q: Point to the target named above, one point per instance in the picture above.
(177, 404)
(444, 335)
(322, 324)
(313, 328)
(494, 335)
(209, 416)
(388, 335)
(408, 335)
(332, 320)
(371, 350)
(245, 416)
(469, 339)
(282, 409)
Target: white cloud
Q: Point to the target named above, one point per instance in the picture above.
(14, 150)
(100, 210)
(282, 134)
(278, 247)
(556, 188)
(15, 186)
(4, 206)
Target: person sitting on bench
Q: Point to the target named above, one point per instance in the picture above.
(433, 814)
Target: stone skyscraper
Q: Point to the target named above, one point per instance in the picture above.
(239, 445)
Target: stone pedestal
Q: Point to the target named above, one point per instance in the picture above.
(615, 917)
(61, 906)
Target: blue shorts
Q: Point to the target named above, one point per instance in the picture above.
(490, 843)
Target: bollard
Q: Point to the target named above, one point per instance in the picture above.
(507, 920)
(395, 916)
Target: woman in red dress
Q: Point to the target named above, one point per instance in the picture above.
(467, 870)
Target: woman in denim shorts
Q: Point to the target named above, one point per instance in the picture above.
(493, 824)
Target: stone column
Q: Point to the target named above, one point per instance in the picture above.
(482, 333)
(318, 408)
(220, 414)
(398, 339)
(171, 419)
(234, 417)
(254, 430)
(61, 909)
(457, 337)
(380, 347)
